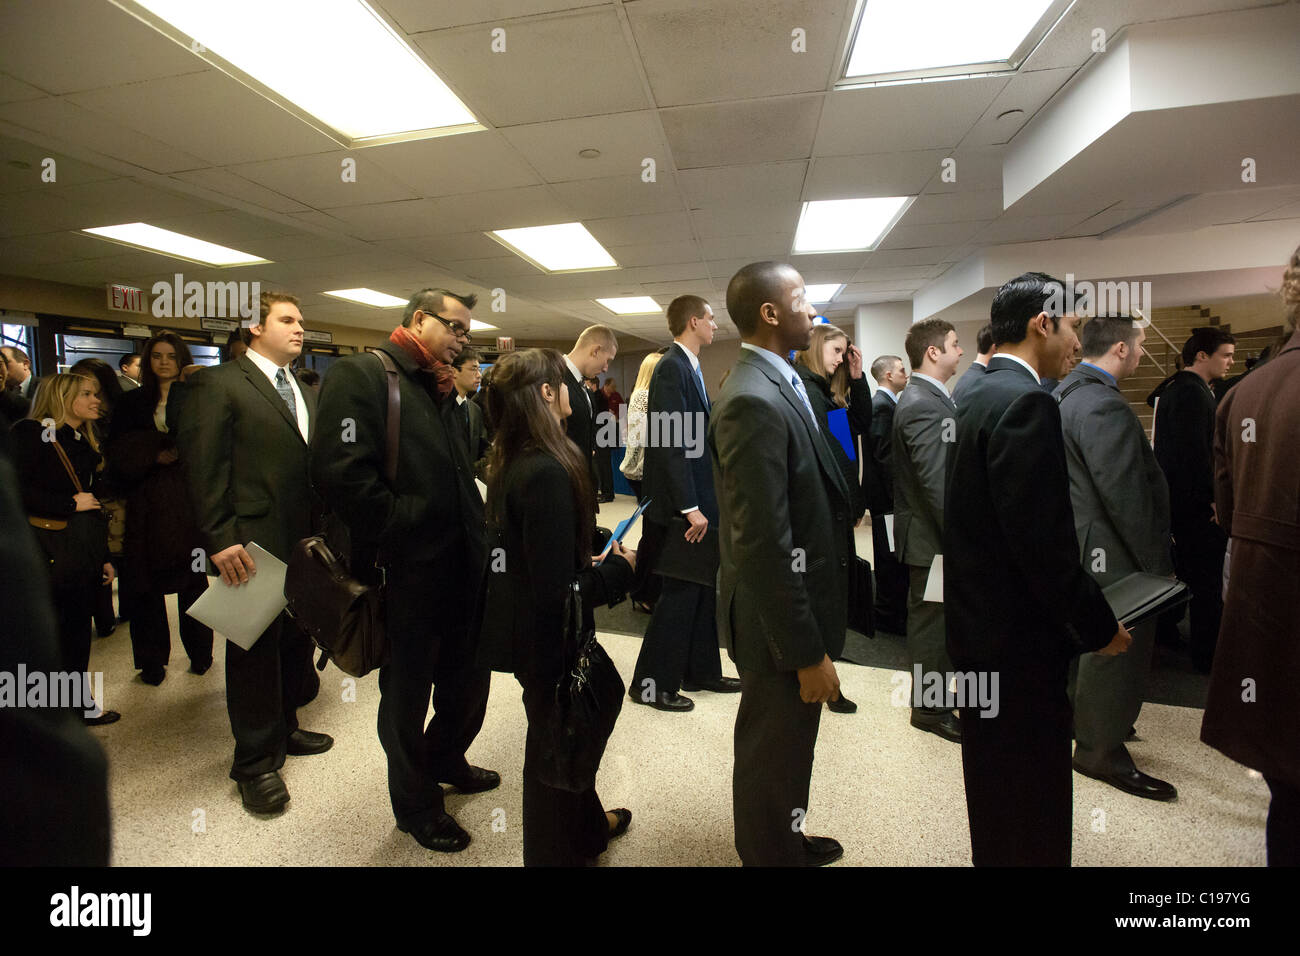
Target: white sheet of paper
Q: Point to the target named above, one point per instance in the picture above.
(934, 583)
(889, 531)
(482, 488)
(241, 613)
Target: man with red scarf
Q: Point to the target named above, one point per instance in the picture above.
(424, 534)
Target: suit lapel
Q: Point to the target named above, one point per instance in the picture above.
(696, 380)
(263, 385)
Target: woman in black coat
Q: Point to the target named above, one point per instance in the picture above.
(539, 507)
(161, 531)
(64, 512)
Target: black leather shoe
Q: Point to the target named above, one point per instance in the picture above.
(304, 743)
(1135, 782)
(474, 780)
(842, 706)
(201, 668)
(946, 726)
(442, 835)
(624, 821)
(664, 701)
(107, 717)
(153, 675)
(821, 850)
(723, 685)
(265, 793)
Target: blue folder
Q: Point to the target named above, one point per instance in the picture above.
(838, 419)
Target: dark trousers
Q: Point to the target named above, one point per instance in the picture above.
(681, 640)
(891, 581)
(429, 650)
(927, 639)
(105, 618)
(776, 734)
(1019, 788)
(561, 828)
(72, 613)
(265, 686)
(646, 585)
(1198, 560)
(1106, 694)
(1282, 832)
(151, 636)
(604, 468)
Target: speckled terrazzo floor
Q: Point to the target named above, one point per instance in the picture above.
(892, 795)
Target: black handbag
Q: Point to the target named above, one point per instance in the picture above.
(588, 698)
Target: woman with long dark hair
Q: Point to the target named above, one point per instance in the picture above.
(57, 458)
(161, 533)
(539, 506)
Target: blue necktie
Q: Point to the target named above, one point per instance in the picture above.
(286, 392)
(803, 395)
(704, 393)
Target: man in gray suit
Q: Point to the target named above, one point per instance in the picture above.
(925, 424)
(980, 367)
(1121, 515)
(785, 539)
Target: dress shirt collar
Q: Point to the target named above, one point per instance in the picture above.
(1017, 358)
(268, 367)
(695, 359)
(933, 381)
(784, 368)
(1097, 368)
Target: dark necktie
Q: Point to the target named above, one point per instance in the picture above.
(286, 392)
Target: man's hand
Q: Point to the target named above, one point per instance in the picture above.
(1214, 513)
(1119, 643)
(854, 358)
(86, 501)
(109, 573)
(234, 564)
(819, 683)
(168, 456)
(697, 525)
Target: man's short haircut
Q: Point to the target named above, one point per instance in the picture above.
(17, 355)
(1020, 300)
(601, 335)
(126, 360)
(271, 298)
(1208, 340)
(1101, 334)
(681, 310)
(466, 355)
(922, 335)
(430, 301)
(749, 288)
(984, 339)
(883, 366)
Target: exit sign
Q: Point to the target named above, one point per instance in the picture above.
(125, 298)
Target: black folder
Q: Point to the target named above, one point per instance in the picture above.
(1139, 596)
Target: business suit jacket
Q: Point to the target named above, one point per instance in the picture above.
(779, 489)
(245, 459)
(1257, 495)
(1016, 595)
(1117, 490)
(674, 481)
(470, 427)
(432, 513)
(920, 459)
(880, 473)
(969, 378)
(1184, 430)
(580, 426)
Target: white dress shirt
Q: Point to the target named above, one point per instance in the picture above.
(269, 368)
(1017, 358)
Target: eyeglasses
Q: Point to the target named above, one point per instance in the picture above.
(455, 328)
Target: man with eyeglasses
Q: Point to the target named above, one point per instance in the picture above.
(424, 533)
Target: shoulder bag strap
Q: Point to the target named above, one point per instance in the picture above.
(1079, 383)
(394, 415)
(72, 473)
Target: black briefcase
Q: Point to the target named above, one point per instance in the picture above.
(862, 602)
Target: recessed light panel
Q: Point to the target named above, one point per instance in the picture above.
(152, 239)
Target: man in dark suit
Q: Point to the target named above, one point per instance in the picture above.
(891, 574)
(786, 539)
(978, 368)
(681, 640)
(925, 425)
(1184, 432)
(19, 367)
(244, 433)
(468, 414)
(1121, 516)
(1018, 604)
(590, 356)
(425, 530)
(128, 374)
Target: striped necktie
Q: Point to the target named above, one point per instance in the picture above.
(286, 392)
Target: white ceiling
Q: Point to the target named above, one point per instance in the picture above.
(741, 130)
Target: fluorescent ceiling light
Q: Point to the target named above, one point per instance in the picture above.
(476, 326)
(336, 61)
(566, 247)
(631, 305)
(822, 293)
(847, 225)
(910, 36)
(381, 300)
(152, 239)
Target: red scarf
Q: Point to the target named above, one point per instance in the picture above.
(420, 354)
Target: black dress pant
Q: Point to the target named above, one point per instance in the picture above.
(105, 618)
(681, 640)
(265, 686)
(1282, 832)
(646, 585)
(151, 636)
(776, 734)
(1198, 560)
(1019, 788)
(891, 581)
(430, 648)
(73, 608)
(561, 828)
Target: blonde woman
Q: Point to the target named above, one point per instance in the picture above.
(633, 466)
(58, 461)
